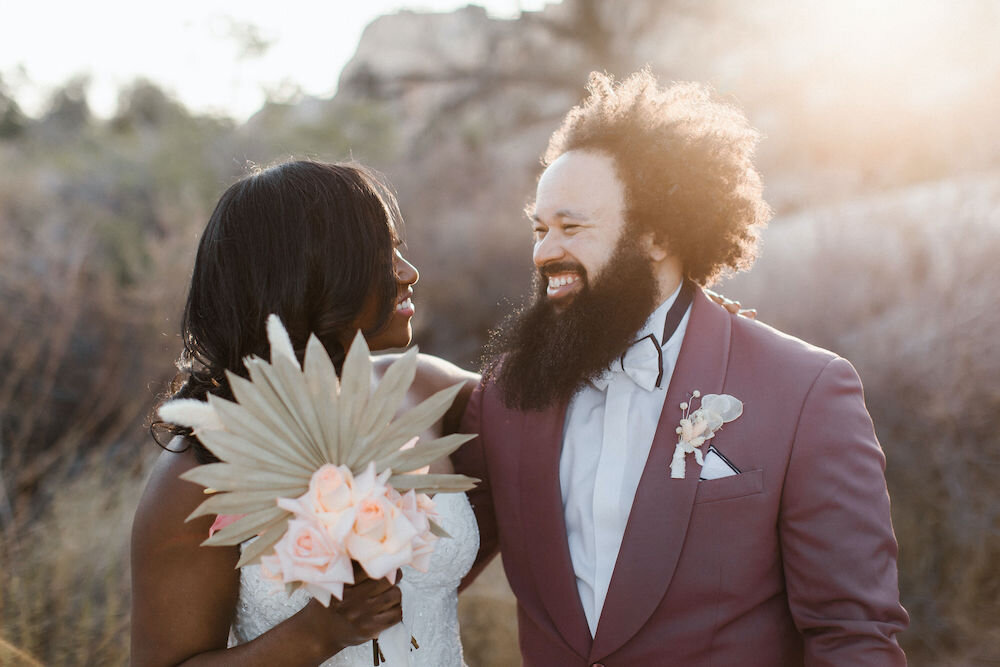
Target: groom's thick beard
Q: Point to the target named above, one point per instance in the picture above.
(539, 356)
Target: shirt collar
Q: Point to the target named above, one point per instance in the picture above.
(654, 324)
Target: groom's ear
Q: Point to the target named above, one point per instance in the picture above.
(655, 250)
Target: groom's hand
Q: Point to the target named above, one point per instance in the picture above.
(369, 607)
(734, 307)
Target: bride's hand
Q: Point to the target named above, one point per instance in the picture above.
(184, 595)
(734, 307)
(369, 607)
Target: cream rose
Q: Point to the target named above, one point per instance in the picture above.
(305, 553)
(330, 488)
(380, 540)
(418, 508)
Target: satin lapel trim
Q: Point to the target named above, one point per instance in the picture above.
(658, 522)
(544, 526)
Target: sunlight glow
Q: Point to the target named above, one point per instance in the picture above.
(886, 46)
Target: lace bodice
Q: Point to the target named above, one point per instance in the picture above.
(430, 599)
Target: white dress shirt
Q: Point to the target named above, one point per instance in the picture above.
(607, 435)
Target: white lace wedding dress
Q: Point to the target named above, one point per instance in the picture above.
(430, 599)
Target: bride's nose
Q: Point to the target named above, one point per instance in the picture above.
(406, 273)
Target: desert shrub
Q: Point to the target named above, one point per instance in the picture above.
(902, 285)
(96, 243)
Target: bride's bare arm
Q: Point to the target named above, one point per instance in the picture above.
(184, 595)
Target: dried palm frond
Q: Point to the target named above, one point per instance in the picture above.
(288, 421)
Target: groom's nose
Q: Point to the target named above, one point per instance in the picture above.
(548, 249)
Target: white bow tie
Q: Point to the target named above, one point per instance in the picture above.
(642, 362)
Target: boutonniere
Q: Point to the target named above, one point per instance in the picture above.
(701, 425)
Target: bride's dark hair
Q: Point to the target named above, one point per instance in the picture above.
(309, 241)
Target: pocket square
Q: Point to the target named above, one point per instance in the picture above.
(717, 466)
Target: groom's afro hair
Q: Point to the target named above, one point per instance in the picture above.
(685, 159)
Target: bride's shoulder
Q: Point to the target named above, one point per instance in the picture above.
(165, 542)
(433, 375)
(167, 499)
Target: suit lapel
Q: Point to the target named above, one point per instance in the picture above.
(544, 526)
(657, 524)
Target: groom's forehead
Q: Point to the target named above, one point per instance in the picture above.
(578, 182)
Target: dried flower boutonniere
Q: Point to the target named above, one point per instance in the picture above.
(698, 426)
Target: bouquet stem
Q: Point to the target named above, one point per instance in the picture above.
(378, 658)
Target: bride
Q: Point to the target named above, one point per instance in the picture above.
(319, 245)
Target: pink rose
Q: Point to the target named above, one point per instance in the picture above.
(420, 509)
(369, 485)
(426, 505)
(306, 553)
(410, 505)
(327, 502)
(423, 549)
(330, 488)
(381, 537)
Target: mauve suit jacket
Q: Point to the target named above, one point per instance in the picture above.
(791, 562)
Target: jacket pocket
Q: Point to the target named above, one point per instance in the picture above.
(746, 483)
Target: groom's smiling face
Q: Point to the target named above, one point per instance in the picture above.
(598, 284)
(577, 219)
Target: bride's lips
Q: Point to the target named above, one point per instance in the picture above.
(405, 307)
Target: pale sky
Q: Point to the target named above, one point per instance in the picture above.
(187, 46)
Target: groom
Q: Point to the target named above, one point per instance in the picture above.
(764, 542)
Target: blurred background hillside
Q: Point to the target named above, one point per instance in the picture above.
(881, 159)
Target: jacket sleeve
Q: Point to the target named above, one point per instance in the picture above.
(837, 544)
(471, 460)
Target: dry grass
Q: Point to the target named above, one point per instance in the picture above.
(65, 574)
(487, 613)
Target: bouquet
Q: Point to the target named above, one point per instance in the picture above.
(322, 470)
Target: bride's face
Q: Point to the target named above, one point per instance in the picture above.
(397, 331)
